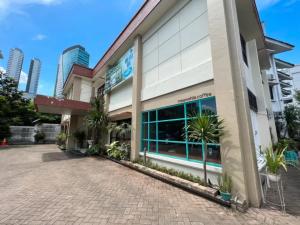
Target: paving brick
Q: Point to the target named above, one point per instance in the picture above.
(42, 185)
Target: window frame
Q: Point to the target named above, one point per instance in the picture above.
(186, 140)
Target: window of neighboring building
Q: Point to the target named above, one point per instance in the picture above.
(271, 92)
(244, 49)
(164, 131)
(252, 101)
(100, 91)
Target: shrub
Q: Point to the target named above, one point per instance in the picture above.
(94, 150)
(4, 132)
(114, 150)
(39, 136)
(61, 139)
(171, 172)
(225, 183)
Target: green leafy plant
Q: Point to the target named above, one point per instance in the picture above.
(275, 160)
(61, 139)
(39, 136)
(225, 183)
(80, 137)
(97, 120)
(94, 150)
(116, 151)
(170, 171)
(205, 128)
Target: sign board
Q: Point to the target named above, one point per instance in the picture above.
(204, 95)
(121, 71)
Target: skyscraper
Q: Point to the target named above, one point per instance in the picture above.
(59, 83)
(33, 77)
(73, 55)
(15, 62)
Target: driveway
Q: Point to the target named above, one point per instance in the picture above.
(41, 185)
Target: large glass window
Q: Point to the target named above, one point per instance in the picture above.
(164, 131)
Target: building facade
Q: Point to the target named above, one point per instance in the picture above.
(59, 83)
(33, 77)
(15, 63)
(175, 58)
(295, 71)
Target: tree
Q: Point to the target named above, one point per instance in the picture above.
(291, 116)
(122, 131)
(206, 129)
(97, 120)
(17, 110)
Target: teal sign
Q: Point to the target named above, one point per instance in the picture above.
(121, 71)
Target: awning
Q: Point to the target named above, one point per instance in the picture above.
(53, 105)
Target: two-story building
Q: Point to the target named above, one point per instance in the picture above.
(178, 57)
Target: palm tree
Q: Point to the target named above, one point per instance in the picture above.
(123, 130)
(97, 119)
(206, 129)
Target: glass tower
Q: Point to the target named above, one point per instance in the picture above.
(33, 77)
(72, 55)
(15, 63)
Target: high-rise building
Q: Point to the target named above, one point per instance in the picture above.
(15, 62)
(33, 77)
(59, 80)
(73, 55)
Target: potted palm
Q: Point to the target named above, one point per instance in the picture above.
(225, 185)
(274, 161)
(205, 128)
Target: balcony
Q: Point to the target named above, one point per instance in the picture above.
(286, 93)
(285, 84)
(284, 76)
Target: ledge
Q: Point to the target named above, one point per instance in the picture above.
(194, 188)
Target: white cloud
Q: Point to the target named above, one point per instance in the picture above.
(23, 78)
(39, 37)
(263, 4)
(8, 7)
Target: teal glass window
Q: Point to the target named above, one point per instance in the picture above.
(164, 132)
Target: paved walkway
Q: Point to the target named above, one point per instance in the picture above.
(41, 185)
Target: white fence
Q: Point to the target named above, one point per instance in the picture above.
(25, 134)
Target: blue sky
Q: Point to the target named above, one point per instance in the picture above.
(43, 28)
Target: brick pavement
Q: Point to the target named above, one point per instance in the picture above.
(42, 185)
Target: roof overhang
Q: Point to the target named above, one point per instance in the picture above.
(53, 105)
(281, 64)
(251, 28)
(276, 46)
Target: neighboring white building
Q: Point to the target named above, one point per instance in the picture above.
(33, 77)
(279, 76)
(295, 71)
(15, 62)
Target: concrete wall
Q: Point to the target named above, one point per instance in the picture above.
(85, 90)
(25, 134)
(176, 50)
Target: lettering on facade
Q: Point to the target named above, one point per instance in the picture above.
(195, 97)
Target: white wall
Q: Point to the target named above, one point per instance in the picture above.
(176, 51)
(121, 96)
(85, 90)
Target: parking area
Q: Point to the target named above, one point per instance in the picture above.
(42, 185)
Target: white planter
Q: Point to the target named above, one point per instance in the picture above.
(90, 143)
(274, 177)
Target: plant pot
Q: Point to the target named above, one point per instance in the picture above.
(225, 196)
(274, 177)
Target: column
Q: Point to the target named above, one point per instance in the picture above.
(136, 100)
(238, 149)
